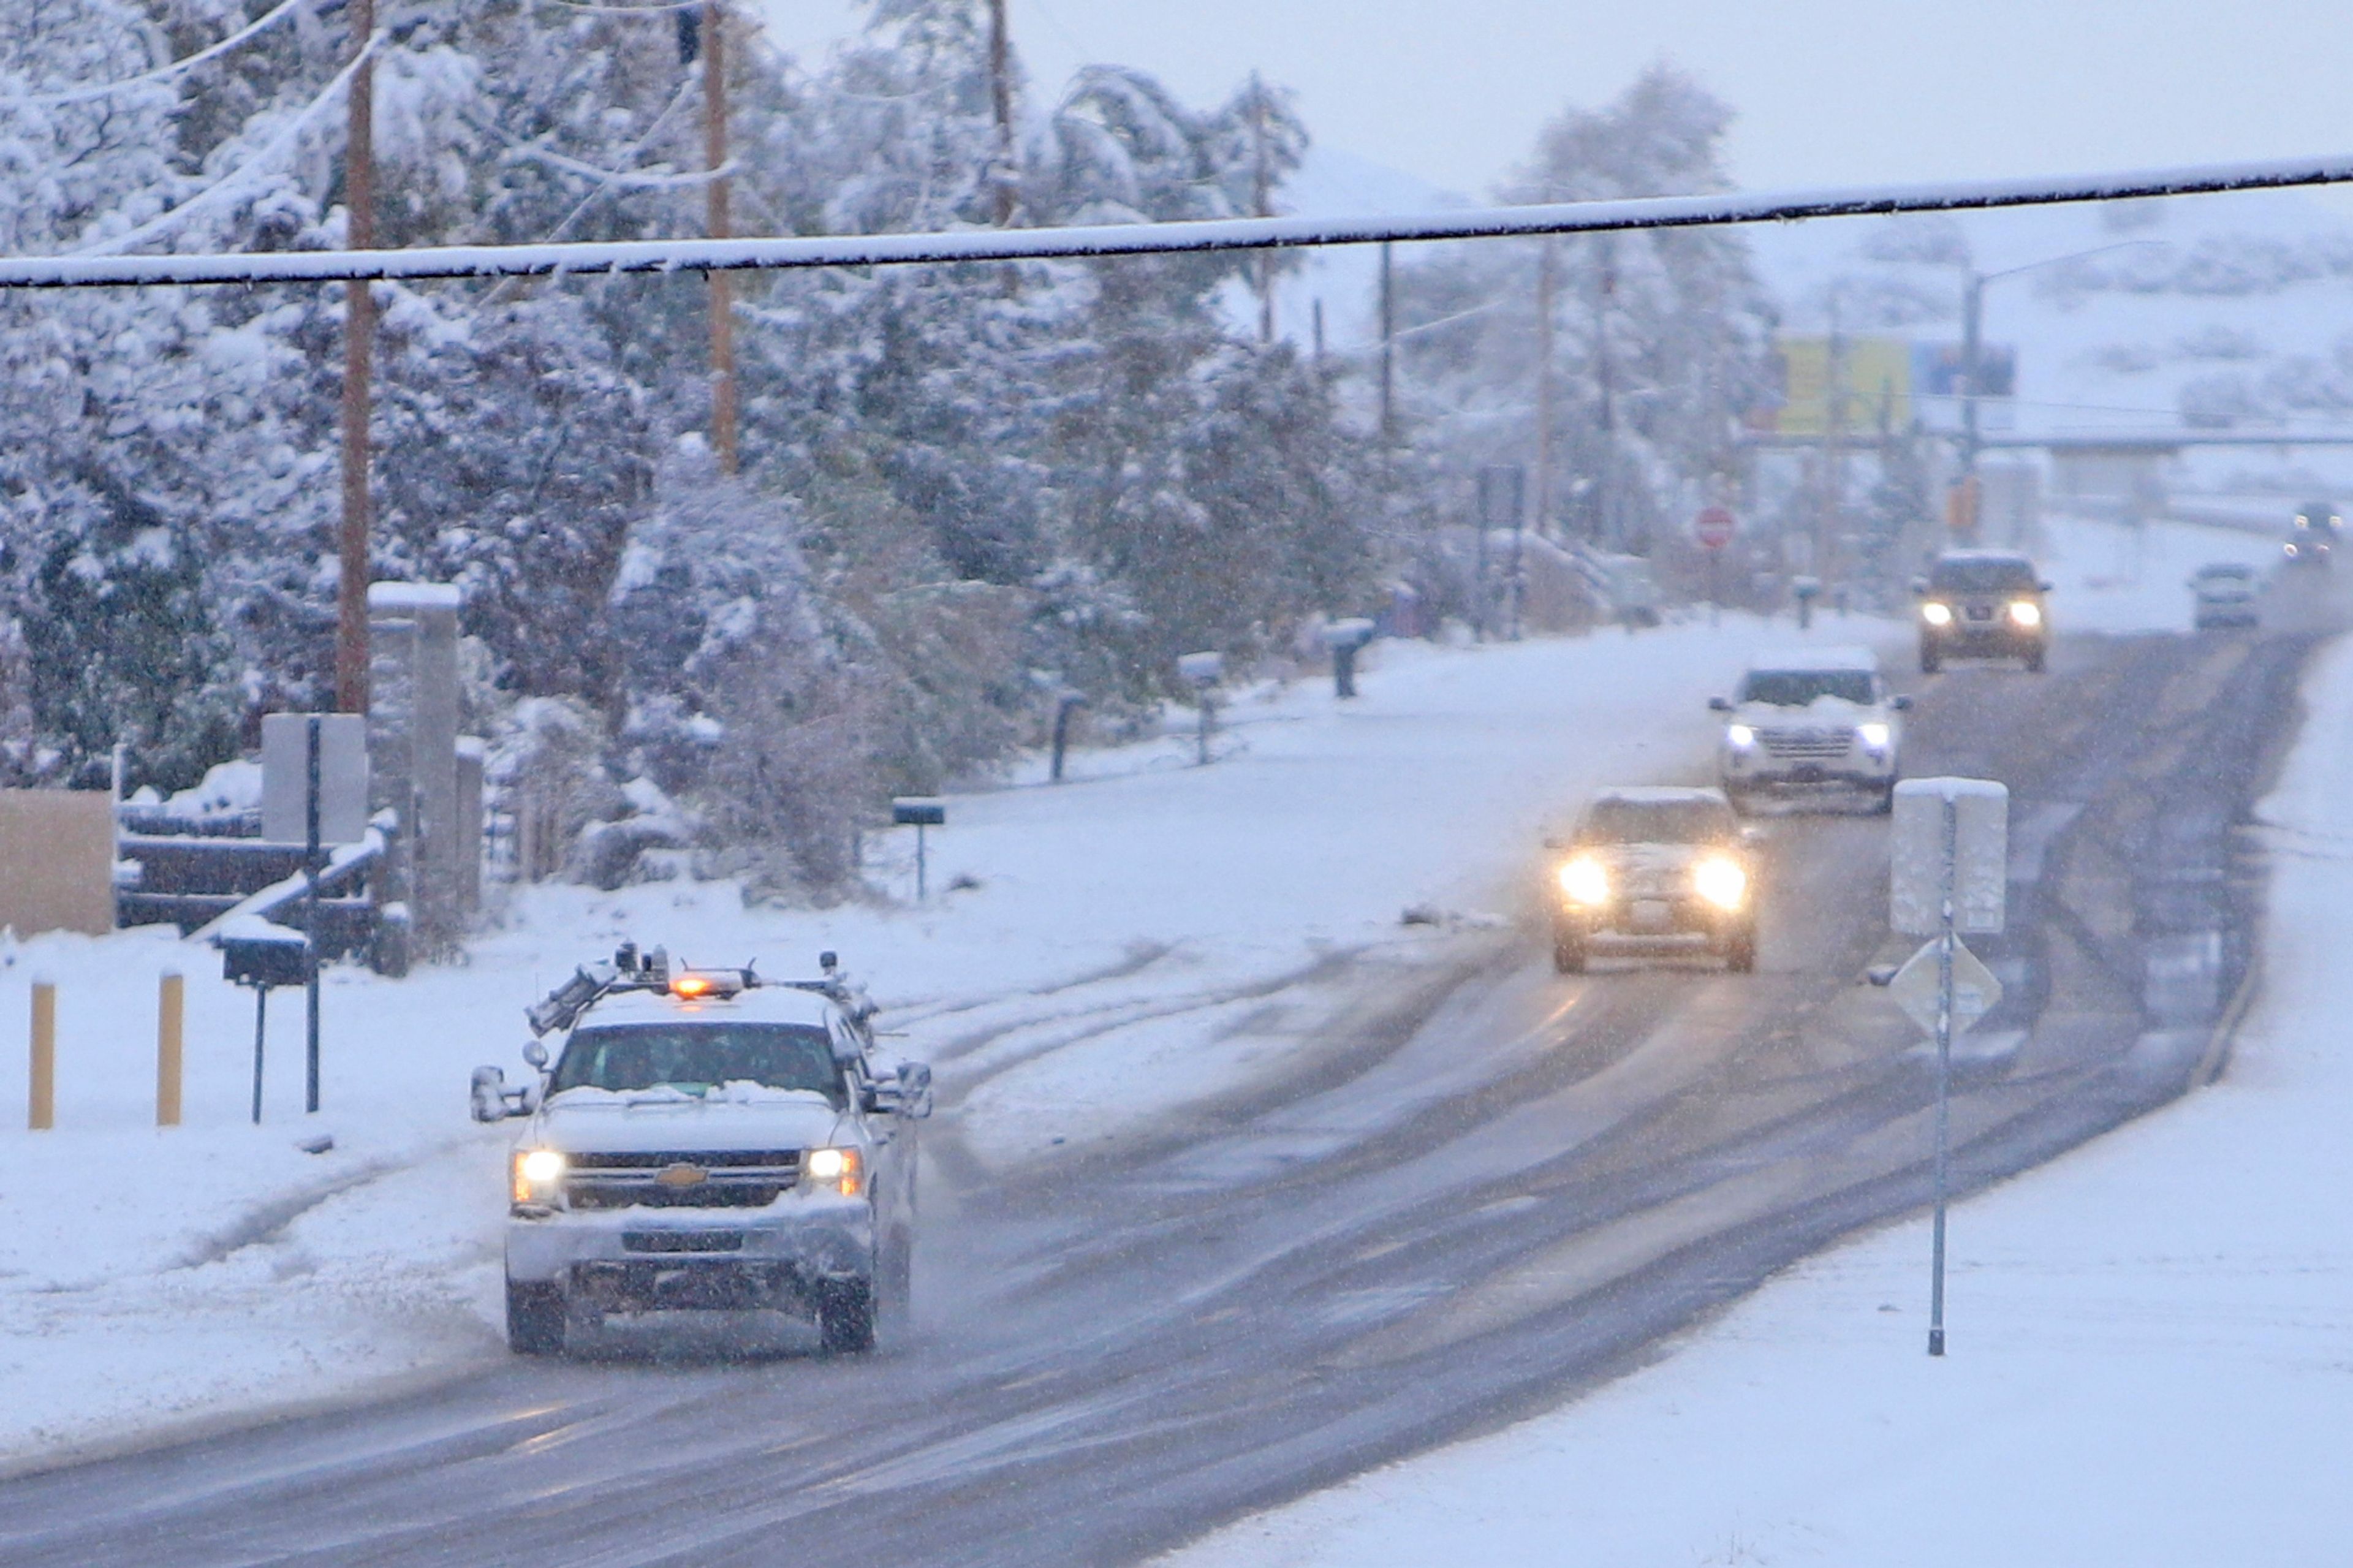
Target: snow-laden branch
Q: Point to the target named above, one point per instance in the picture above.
(620, 179)
(101, 89)
(1153, 239)
(237, 179)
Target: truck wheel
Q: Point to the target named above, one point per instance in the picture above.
(1740, 951)
(534, 1318)
(1741, 804)
(845, 1316)
(1568, 955)
(1885, 805)
(1929, 659)
(2035, 661)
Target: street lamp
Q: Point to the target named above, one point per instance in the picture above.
(1972, 348)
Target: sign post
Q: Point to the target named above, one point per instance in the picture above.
(1714, 529)
(1948, 874)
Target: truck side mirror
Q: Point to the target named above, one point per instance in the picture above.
(1719, 705)
(1901, 704)
(488, 1093)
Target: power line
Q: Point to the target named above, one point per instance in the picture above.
(236, 179)
(659, 256)
(103, 89)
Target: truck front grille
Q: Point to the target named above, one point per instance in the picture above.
(732, 1179)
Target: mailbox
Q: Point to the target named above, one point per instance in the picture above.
(266, 961)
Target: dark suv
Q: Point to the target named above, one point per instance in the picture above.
(2312, 537)
(1982, 604)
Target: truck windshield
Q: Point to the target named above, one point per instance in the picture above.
(1797, 688)
(702, 1055)
(1982, 575)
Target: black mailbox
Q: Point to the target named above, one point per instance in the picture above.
(263, 961)
(919, 811)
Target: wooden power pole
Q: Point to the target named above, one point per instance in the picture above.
(718, 226)
(359, 343)
(1544, 388)
(1001, 99)
(1261, 196)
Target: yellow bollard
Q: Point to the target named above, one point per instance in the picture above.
(170, 998)
(43, 1114)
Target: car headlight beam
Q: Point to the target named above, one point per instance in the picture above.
(1740, 737)
(1937, 614)
(2026, 612)
(1720, 881)
(1875, 736)
(1585, 880)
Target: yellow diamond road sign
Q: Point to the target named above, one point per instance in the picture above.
(1975, 990)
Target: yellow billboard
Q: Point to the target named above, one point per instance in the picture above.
(1855, 386)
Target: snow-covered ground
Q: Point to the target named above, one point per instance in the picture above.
(151, 1276)
(2151, 1358)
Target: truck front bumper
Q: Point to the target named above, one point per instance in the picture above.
(643, 1260)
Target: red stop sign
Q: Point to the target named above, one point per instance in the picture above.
(1713, 527)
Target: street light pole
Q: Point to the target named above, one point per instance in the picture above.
(1972, 348)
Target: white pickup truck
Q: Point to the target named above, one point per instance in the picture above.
(706, 1139)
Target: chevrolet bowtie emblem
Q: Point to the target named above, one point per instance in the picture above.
(683, 1175)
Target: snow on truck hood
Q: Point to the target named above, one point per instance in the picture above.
(732, 1116)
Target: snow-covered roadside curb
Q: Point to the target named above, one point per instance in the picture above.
(1140, 938)
(2150, 1362)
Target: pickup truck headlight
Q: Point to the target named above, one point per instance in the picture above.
(537, 1174)
(833, 1170)
(1874, 736)
(1740, 737)
(2026, 612)
(1584, 881)
(1720, 879)
(1936, 615)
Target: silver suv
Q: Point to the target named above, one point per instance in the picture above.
(706, 1139)
(1812, 721)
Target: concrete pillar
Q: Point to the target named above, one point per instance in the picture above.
(413, 747)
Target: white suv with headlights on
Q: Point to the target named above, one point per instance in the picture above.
(706, 1139)
(1816, 720)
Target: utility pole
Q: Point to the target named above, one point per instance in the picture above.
(1834, 445)
(1961, 519)
(1605, 476)
(1544, 386)
(718, 225)
(1388, 357)
(1000, 98)
(359, 344)
(1259, 194)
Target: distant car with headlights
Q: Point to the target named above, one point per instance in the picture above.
(706, 1139)
(2225, 594)
(1982, 604)
(1811, 722)
(2313, 536)
(1659, 871)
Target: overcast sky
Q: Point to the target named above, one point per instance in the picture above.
(1828, 91)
